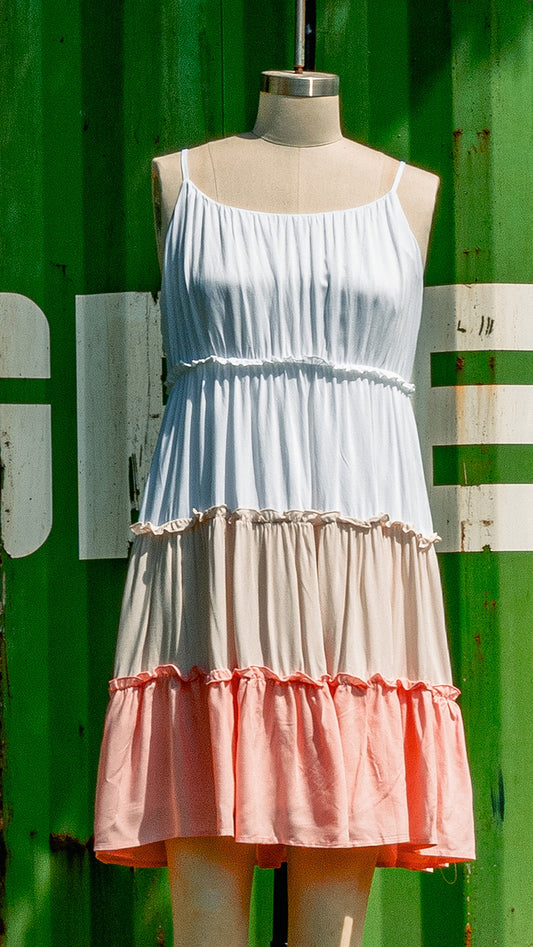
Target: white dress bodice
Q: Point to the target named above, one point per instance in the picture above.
(290, 341)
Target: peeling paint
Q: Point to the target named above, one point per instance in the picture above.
(464, 526)
(483, 138)
(64, 842)
(133, 477)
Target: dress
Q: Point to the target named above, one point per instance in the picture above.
(282, 671)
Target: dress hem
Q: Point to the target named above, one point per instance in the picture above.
(398, 854)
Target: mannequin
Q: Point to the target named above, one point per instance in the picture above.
(296, 161)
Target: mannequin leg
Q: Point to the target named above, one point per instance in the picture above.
(210, 884)
(328, 895)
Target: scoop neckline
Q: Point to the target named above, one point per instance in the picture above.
(284, 215)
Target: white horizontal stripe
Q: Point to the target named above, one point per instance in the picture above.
(470, 317)
(482, 414)
(499, 515)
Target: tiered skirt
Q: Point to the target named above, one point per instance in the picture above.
(283, 679)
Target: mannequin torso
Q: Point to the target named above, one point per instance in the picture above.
(296, 161)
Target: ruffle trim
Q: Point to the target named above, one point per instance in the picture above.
(345, 370)
(267, 516)
(166, 671)
(272, 762)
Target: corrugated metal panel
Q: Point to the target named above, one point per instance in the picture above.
(91, 92)
(450, 87)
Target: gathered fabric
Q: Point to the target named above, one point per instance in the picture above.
(299, 593)
(374, 763)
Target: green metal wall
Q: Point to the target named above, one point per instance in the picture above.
(449, 85)
(91, 91)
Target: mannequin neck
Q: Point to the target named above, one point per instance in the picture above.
(298, 122)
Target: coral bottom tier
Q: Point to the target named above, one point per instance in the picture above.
(318, 763)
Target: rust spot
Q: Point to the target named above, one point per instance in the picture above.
(492, 363)
(468, 936)
(477, 639)
(463, 535)
(459, 363)
(64, 842)
(161, 938)
(486, 601)
(483, 138)
(457, 135)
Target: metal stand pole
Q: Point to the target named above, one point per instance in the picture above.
(299, 51)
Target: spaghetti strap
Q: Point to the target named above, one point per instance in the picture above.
(397, 179)
(185, 164)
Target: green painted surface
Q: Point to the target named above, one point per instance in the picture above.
(25, 390)
(261, 908)
(481, 368)
(469, 464)
(91, 91)
(449, 86)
